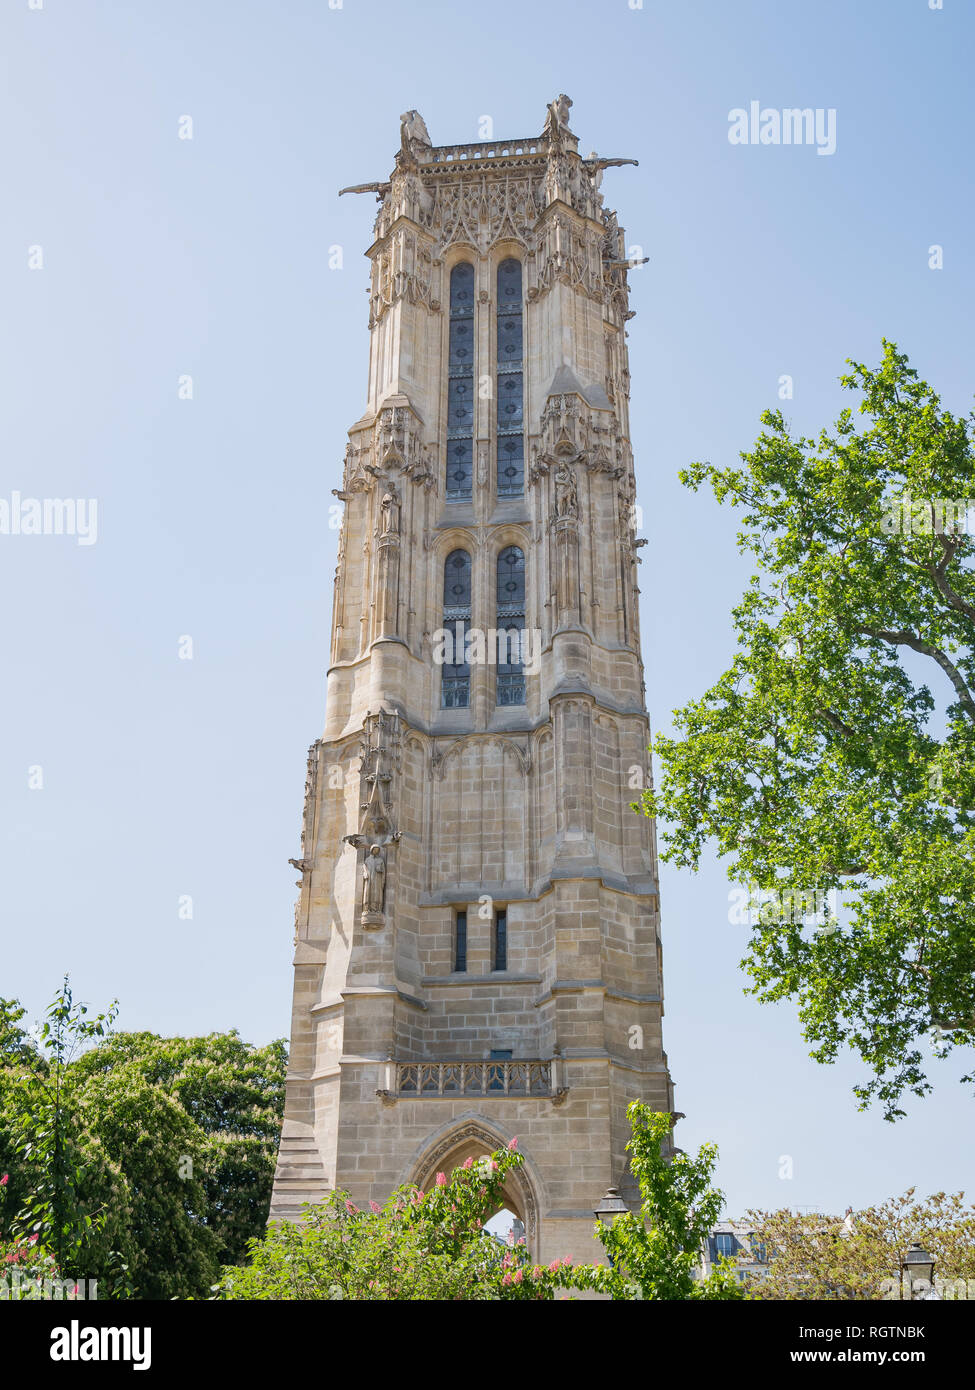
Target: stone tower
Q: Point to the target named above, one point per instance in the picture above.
(477, 950)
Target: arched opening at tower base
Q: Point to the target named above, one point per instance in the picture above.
(476, 1139)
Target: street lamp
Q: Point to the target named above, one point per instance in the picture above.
(918, 1264)
(610, 1207)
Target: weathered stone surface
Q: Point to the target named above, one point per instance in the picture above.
(518, 807)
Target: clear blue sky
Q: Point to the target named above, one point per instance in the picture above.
(164, 256)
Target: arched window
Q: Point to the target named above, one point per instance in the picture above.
(455, 689)
(460, 384)
(511, 407)
(511, 625)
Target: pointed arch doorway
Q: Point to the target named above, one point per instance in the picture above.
(475, 1138)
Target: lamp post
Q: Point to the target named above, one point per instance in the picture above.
(918, 1264)
(609, 1208)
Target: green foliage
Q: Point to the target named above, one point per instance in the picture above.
(861, 1256)
(150, 1159)
(819, 760)
(27, 1270)
(45, 1134)
(418, 1246)
(655, 1253)
(16, 1048)
(423, 1246)
(232, 1098)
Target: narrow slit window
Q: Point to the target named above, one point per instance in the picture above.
(511, 626)
(460, 941)
(460, 384)
(510, 382)
(455, 680)
(501, 940)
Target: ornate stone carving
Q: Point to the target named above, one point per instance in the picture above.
(304, 864)
(556, 128)
(414, 136)
(389, 509)
(483, 209)
(380, 761)
(566, 492)
(403, 267)
(573, 430)
(388, 568)
(359, 474)
(569, 253)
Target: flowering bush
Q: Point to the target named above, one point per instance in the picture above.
(24, 1263)
(419, 1245)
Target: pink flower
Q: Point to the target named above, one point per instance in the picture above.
(566, 1263)
(518, 1276)
(514, 1143)
(468, 1163)
(4, 1180)
(32, 1240)
(351, 1208)
(553, 1267)
(494, 1166)
(374, 1206)
(507, 1279)
(477, 1222)
(441, 1179)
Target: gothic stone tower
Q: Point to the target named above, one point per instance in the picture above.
(477, 950)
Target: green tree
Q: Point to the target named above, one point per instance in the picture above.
(42, 1128)
(232, 1093)
(861, 1256)
(167, 1149)
(821, 760)
(655, 1253)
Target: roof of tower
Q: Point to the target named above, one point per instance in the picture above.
(565, 383)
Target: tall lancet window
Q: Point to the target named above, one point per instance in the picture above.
(511, 408)
(455, 688)
(511, 626)
(460, 384)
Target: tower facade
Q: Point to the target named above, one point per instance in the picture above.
(477, 953)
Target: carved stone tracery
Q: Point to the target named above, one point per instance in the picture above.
(379, 764)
